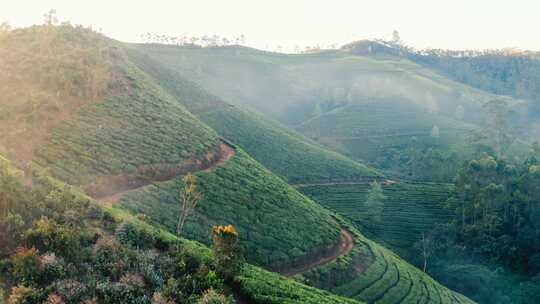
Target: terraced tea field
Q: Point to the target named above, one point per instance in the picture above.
(409, 209)
(380, 276)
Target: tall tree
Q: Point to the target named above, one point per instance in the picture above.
(188, 197)
(396, 38)
(375, 201)
(497, 131)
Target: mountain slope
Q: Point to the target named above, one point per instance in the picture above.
(410, 209)
(403, 100)
(294, 88)
(131, 127)
(347, 274)
(132, 133)
(380, 130)
(280, 149)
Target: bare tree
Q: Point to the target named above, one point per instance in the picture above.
(188, 197)
(50, 18)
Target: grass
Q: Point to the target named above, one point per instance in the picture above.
(409, 209)
(278, 226)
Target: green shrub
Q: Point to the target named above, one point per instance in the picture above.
(21, 294)
(133, 235)
(212, 297)
(26, 266)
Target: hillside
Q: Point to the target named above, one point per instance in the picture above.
(243, 193)
(382, 131)
(134, 133)
(277, 147)
(410, 209)
(101, 194)
(373, 274)
(380, 107)
(83, 251)
(294, 88)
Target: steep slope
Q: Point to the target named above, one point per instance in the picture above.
(280, 149)
(373, 274)
(410, 209)
(131, 133)
(379, 130)
(113, 256)
(270, 216)
(403, 101)
(347, 274)
(294, 88)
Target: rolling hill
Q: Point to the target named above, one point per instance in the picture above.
(410, 209)
(134, 133)
(81, 117)
(364, 106)
(277, 147)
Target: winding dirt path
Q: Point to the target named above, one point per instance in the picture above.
(110, 189)
(346, 244)
(384, 182)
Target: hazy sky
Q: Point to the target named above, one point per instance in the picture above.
(454, 24)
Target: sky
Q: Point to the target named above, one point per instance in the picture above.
(448, 24)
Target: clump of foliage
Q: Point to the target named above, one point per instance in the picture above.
(374, 203)
(493, 236)
(225, 245)
(59, 249)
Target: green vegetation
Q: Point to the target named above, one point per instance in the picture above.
(144, 126)
(283, 151)
(295, 88)
(512, 73)
(80, 252)
(409, 209)
(269, 288)
(280, 149)
(278, 226)
(376, 275)
(394, 135)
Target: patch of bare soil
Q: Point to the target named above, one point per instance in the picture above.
(344, 247)
(110, 188)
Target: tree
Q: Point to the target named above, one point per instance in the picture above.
(4, 27)
(188, 196)
(435, 132)
(225, 240)
(396, 39)
(460, 112)
(497, 130)
(50, 18)
(375, 201)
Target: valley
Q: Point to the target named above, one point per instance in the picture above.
(155, 173)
